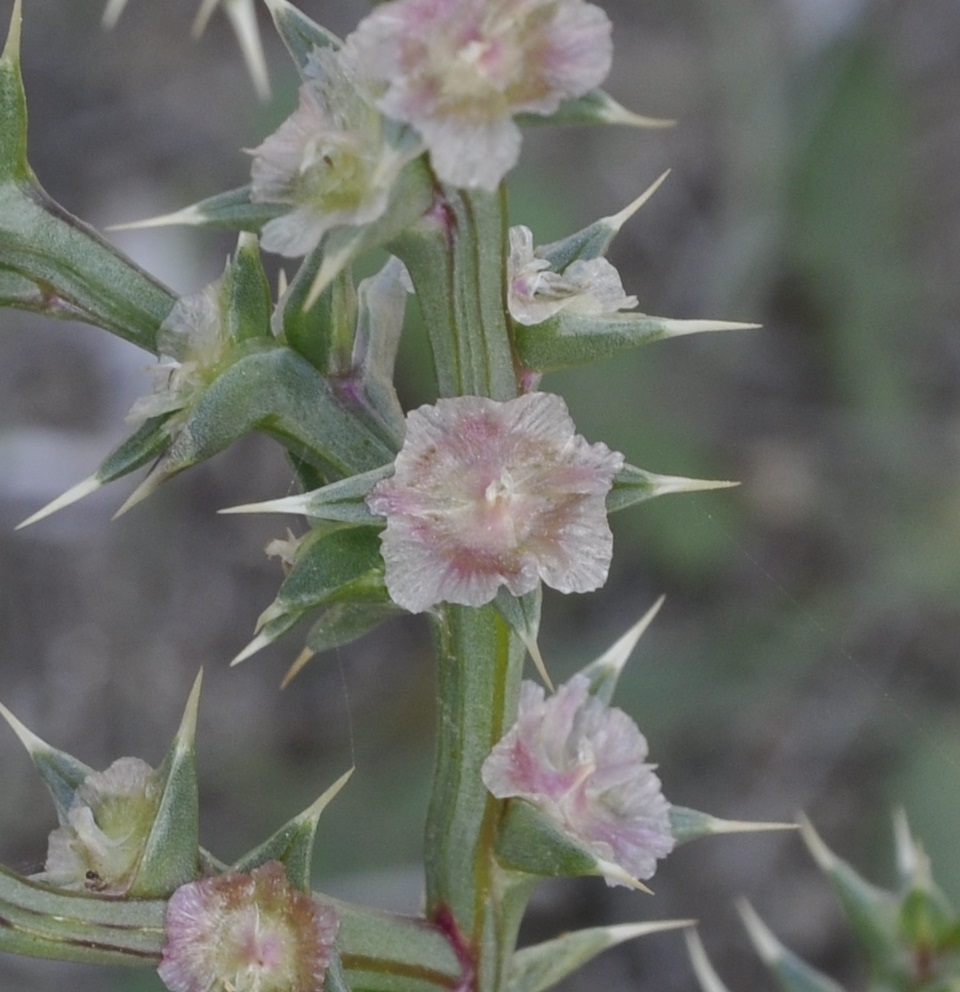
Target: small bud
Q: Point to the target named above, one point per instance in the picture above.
(247, 932)
(488, 494)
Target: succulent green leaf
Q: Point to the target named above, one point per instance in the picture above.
(245, 295)
(339, 624)
(342, 501)
(144, 445)
(382, 303)
(292, 844)
(324, 331)
(523, 615)
(299, 33)
(872, 911)
(594, 240)
(271, 388)
(342, 623)
(350, 334)
(39, 921)
(13, 105)
(344, 564)
(231, 211)
(689, 824)
(62, 774)
(171, 852)
(597, 107)
(530, 842)
(604, 672)
(331, 566)
(927, 920)
(387, 952)
(634, 485)
(570, 339)
(542, 966)
(73, 272)
(76, 274)
(793, 974)
(20, 292)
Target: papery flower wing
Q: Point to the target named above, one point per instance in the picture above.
(583, 765)
(486, 494)
(458, 70)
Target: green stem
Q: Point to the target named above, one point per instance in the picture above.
(480, 662)
(456, 256)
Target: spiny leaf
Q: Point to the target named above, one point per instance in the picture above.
(633, 485)
(542, 966)
(569, 339)
(605, 671)
(292, 844)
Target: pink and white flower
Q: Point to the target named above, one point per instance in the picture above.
(488, 494)
(589, 286)
(583, 765)
(243, 932)
(459, 70)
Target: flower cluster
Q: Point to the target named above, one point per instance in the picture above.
(583, 765)
(486, 494)
(242, 932)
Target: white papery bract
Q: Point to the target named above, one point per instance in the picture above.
(459, 70)
(488, 494)
(535, 292)
(583, 764)
(242, 932)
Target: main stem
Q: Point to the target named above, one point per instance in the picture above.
(480, 661)
(457, 260)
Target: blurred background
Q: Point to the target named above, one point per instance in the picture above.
(806, 657)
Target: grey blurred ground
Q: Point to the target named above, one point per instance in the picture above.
(807, 654)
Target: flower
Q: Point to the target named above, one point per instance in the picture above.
(101, 842)
(486, 494)
(329, 160)
(583, 765)
(191, 342)
(242, 932)
(589, 286)
(458, 70)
